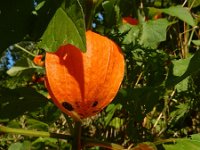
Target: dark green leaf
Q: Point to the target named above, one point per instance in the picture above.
(180, 111)
(111, 10)
(16, 20)
(50, 113)
(14, 103)
(146, 96)
(44, 12)
(66, 27)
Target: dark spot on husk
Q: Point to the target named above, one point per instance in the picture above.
(95, 104)
(67, 106)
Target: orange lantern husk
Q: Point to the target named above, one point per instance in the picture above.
(38, 60)
(130, 20)
(82, 84)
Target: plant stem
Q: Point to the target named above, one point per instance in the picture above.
(23, 49)
(24, 132)
(77, 139)
(33, 133)
(76, 144)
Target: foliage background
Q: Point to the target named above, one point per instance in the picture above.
(158, 102)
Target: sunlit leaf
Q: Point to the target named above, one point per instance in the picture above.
(110, 112)
(20, 146)
(132, 35)
(16, 146)
(180, 12)
(196, 42)
(66, 26)
(180, 66)
(153, 32)
(117, 122)
(22, 65)
(192, 142)
(184, 68)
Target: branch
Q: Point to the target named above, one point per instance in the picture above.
(23, 49)
(84, 141)
(33, 133)
(76, 144)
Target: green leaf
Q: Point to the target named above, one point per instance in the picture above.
(147, 96)
(180, 12)
(194, 3)
(111, 10)
(153, 32)
(180, 66)
(184, 68)
(196, 42)
(16, 146)
(40, 5)
(36, 124)
(45, 140)
(116, 122)
(16, 19)
(132, 35)
(14, 103)
(192, 142)
(26, 145)
(180, 111)
(66, 27)
(137, 97)
(110, 112)
(50, 112)
(50, 143)
(24, 64)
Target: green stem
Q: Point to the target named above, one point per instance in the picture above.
(77, 137)
(24, 132)
(33, 133)
(23, 49)
(76, 144)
